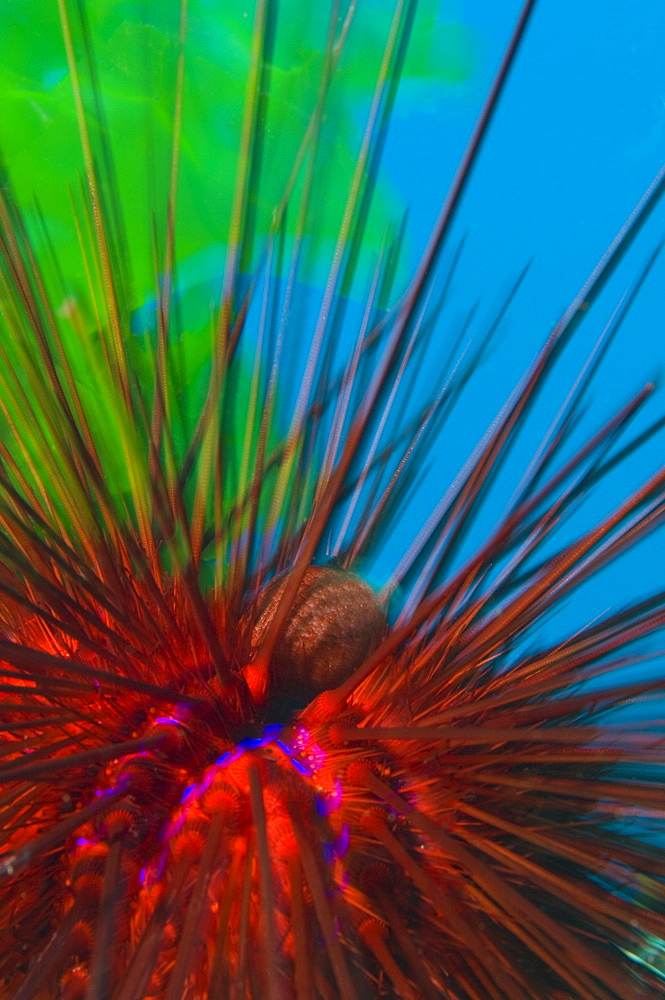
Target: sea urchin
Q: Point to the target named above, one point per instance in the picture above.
(229, 768)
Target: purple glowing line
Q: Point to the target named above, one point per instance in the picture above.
(343, 841)
(328, 803)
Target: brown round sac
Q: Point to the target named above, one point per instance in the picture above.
(334, 624)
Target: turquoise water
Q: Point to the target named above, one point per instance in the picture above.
(578, 136)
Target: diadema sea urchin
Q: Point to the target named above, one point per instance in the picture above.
(230, 768)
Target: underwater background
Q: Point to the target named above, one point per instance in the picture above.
(579, 133)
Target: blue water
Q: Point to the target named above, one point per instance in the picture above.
(578, 136)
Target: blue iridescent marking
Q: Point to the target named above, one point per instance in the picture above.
(187, 792)
(252, 744)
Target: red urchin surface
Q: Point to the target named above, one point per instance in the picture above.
(434, 832)
(231, 770)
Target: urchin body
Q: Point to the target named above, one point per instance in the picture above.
(227, 771)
